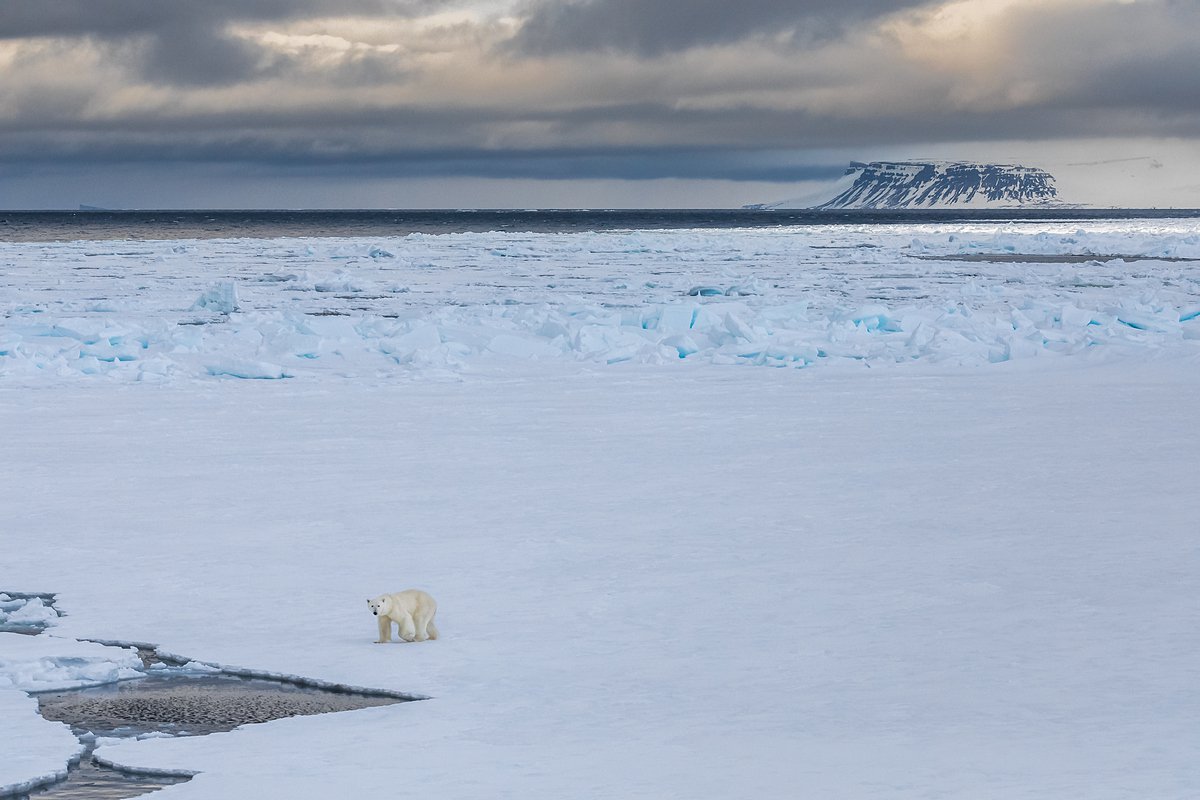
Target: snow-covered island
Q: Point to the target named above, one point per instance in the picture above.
(932, 185)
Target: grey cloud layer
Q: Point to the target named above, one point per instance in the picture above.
(1134, 56)
(118, 18)
(618, 88)
(652, 27)
(182, 43)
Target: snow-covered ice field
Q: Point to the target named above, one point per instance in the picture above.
(948, 552)
(369, 310)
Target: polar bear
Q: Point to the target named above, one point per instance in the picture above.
(412, 610)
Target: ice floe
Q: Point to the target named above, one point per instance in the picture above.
(46, 663)
(45, 747)
(29, 612)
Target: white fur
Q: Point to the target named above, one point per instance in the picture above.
(412, 610)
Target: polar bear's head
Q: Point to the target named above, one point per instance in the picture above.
(380, 605)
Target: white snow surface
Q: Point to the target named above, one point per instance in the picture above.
(672, 578)
(35, 750)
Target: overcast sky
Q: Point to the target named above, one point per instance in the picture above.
(518, 103)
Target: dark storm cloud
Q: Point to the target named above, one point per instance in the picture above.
(653, 27)
(1165, 86)
(119, 18)
(197, 56)
(181, 43)
(387, 143)
(266, 158)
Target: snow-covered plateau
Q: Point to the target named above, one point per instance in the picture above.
(933, 184)
(948, 551)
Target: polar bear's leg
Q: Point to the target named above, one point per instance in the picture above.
(385, 629)
(431, 629)
(422, 620)
(408, 631)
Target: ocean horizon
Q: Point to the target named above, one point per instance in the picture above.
(35, 225)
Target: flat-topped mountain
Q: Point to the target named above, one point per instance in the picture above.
(936, 184)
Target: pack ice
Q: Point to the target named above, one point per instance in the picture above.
(801, 297)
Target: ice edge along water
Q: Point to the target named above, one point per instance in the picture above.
(35, 665)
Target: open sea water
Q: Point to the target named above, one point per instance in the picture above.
(36, 226)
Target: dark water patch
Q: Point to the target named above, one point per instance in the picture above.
(33, 226)
(88, 780)
(174, 702)
(189, 705)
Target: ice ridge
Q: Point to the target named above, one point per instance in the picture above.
(838, 295)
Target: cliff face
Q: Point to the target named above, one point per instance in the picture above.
(943, 184)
